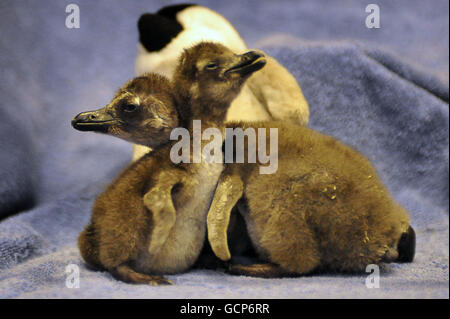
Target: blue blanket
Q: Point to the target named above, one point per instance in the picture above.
(383, 91)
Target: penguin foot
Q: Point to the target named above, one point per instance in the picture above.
(126, 274)
(258, 270)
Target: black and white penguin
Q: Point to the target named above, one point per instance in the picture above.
(165, 34)
(271, 94)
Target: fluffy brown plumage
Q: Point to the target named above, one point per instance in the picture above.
(152, 219)
(324, 208)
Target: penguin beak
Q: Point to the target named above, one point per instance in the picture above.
(96, 121)
(247, 63)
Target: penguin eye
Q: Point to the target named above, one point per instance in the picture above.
(211, 66)
(129, 107)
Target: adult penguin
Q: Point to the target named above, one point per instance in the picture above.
(271, 94)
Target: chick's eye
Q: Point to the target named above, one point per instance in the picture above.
(211, 66)
(129, 107)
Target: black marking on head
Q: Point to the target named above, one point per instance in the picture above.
(157, 30)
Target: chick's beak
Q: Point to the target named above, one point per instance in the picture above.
(247, 63)
(96, 121)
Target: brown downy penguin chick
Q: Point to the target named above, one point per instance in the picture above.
(323, 209)
(152, 219)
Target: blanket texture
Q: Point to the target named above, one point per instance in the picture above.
(383, 91)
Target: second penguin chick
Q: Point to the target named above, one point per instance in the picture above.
(324, 208)
(152, 219)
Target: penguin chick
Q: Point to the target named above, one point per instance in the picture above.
(152, 219)
(141, 111)
(324, 208)
(273, 93)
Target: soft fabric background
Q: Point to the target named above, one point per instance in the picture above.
(383, 91)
